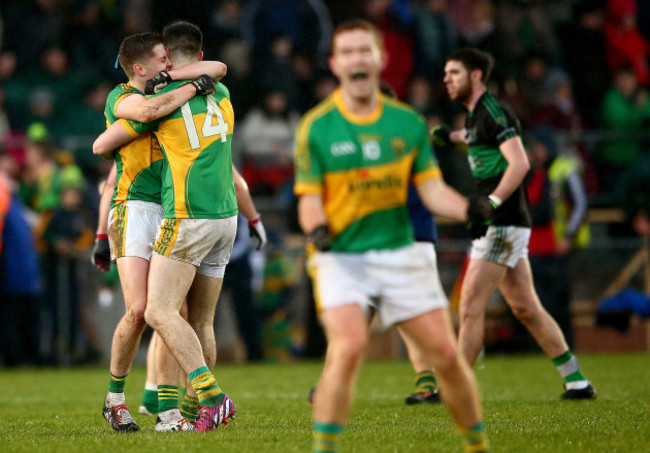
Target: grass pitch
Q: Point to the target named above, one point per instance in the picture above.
(60, 410)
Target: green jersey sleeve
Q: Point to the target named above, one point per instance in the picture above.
(309, 174)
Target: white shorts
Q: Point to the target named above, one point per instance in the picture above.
(132, 228)
(205, 243)
(400, 284)
(504, 245)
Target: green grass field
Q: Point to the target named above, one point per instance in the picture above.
(60, 410)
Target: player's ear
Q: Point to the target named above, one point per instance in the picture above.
(138, 69)
(476, 75)
(201, 56)
(332, 64)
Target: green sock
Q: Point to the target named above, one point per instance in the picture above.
(150, 398)
(190, 407)
(567, 366)
(206, 387)
(167, 397)
(425, 382)
(116, 383)
(474, 438)
(327, 437)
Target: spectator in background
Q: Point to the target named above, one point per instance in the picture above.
(67, 237)
(266, 140)
(626, 46)
(557, 109)
(305, 23)
(625, 109)
(583, 45)
(19, 275)
(396, 22)
(436, 37)
(225, 27)
(45, 21)
(558, 204)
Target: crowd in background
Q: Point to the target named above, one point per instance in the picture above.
(576, 70)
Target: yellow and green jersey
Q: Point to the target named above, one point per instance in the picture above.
(196, 140)
(362, 166)
(139, 162)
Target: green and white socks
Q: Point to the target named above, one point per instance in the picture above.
(567, 366)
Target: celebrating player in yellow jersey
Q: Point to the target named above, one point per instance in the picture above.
(196, 235)
(355, 155)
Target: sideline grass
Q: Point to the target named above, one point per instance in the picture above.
(60, 410)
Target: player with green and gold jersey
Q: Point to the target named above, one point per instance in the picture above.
(362, 169)
(195, 238)
(355, 155)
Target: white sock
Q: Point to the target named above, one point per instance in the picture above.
(114, 399)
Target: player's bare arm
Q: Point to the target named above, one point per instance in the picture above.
(244, 200)
(443, 200)
(136, 107)
(105, 200)
(518, 165)
(247, 207)
(112, 138)
(311, 213)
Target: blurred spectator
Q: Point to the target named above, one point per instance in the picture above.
(396, 22)
(436, 38)
(19, 276)
(240, 77)
(306, 24)
(420, 96)
(557, 108)
(67, 237)
(558, 209)
(43, 18)
(92, 35)
(626, 46)
(266, 140)
(81, 126)
(524, 28)
(625, 109)
(633, 195)
(225, 26)
(583, 44)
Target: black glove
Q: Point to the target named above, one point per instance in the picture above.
(152, 86)
(480, 209)
(256, 230)
(477, 229)
(320, 237)
(479, 213)
(440, 136)
(204, 85)
(101, 256)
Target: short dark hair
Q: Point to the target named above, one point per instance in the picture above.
(183, 37)
(135, 47)
(357, 24)
(474, 59)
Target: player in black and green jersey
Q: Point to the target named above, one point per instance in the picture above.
(355, 155)
(499, 259)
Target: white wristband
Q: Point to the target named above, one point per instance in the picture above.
(496, 201)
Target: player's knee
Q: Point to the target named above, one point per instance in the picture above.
(153, 317)
(525, 313)
(350, 351)
(136, 315)
(447, 359)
